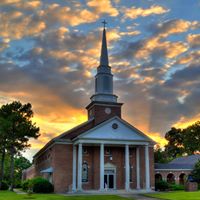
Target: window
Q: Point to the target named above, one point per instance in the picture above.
(85, 151)
(85, 172)
(107, 83)
(108, 151)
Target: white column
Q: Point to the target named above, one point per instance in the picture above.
(127, 168)
(138, 167)
(147, 168)
(80, 167)
(102, 167)
(74, 169)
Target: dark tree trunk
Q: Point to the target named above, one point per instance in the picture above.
(2, 167)
(12, 153)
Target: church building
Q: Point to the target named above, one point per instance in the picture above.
(104, 153)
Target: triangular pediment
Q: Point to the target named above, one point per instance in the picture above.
(115, 129)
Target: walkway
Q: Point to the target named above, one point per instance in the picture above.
(18, 191)
(137, 197)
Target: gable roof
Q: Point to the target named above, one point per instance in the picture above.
(125, 131)
(68, 135)
(84, 128)
(192, 159)
(171, 166)
(76, 131)
(185, 162)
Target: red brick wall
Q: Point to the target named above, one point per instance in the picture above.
(142, 167)
(133, 184)
(43, 161)
(100, 115)
(176, 174)
(62, 165)
(60, 157)
(152, 172)
(29, 173)
(118, 159)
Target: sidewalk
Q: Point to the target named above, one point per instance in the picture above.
(18, 191)
(137, 197)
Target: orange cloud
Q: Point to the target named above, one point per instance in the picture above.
(158, 138)
(4, 2)
(134, 12)
(194, 40)
(170, 49)
(28, 5)
(184, 122)
(15, 25)
(175, 27)
(65, 15)
(103, 7)
(193, 56)
(130, 33)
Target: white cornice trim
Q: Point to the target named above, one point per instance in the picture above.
(108, 141)
(173, 170)
(148, 139)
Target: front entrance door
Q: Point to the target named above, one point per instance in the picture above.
(109, 179)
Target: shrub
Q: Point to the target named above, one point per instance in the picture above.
(25, 184)
(41, 185)
(161, 185)
(4, 186)
(175, 187)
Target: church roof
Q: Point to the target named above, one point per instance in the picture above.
(192, 159)
(171, 166)
(87, 126)
(76, 131)
(68, 135)
(185, 162)
(125, 131)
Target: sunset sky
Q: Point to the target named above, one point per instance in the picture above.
(49, 52)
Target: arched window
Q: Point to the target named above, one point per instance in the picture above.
(158, 177)
(85, 172)
(182, 179)
(170, 178)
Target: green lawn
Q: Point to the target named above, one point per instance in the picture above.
(177, 195)
(4, 195)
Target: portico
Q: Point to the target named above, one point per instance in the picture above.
(135, 143)
(112, 170)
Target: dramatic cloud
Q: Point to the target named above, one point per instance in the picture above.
(135, 12)
(194, 40)
(49, 52)
(103, 7)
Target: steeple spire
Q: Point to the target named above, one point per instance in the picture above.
(104, 52)
(104, 103)
(104, 77)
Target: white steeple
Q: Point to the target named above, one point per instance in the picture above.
(104, 52)
(104, 77)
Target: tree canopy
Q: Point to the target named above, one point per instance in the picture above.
(16, 128)
(180, 142)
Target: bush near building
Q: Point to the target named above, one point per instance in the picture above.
(38, 185)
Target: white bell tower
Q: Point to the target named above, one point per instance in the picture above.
(104, 77)
(103, 103)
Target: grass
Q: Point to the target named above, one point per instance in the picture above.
(6, 195)
(178, 195)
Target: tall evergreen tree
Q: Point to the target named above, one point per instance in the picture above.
(19, 129)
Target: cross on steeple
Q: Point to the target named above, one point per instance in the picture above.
(104, 23)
